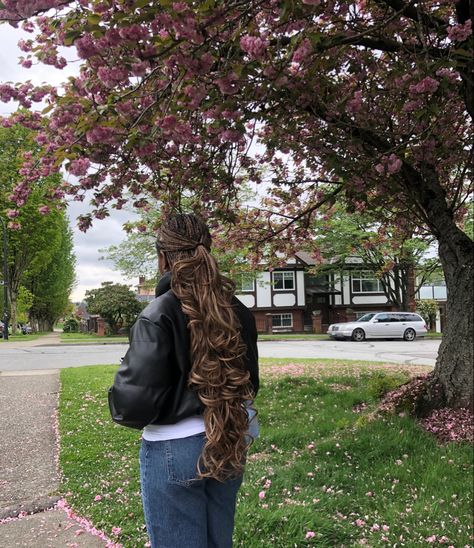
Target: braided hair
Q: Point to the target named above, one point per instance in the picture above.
(217, 372)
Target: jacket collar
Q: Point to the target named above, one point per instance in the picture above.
(164, 284)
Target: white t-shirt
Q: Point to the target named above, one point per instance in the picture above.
(189, 427)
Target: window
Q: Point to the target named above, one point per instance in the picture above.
(366, 282)
(283, 281)
(364, 316)
(282, 320)
(247, 283)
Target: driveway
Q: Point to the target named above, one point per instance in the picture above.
(419, 352)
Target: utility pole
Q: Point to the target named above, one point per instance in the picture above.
(5, 280)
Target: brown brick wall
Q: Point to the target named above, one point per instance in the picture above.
(261, 319)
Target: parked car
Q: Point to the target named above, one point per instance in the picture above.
(381, 325)
(25, 328)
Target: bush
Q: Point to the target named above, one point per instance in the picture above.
(380, 383)
(71, 325)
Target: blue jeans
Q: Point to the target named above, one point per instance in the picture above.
(181, 511)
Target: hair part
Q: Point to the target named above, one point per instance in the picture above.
(218, 372)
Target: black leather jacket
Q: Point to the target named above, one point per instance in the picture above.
(150, 386)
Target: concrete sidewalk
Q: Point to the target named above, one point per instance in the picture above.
(53, 338)
(29, 476)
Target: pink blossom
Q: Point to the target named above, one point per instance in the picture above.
(394, 164)
(460, 33)
(254, 46)
(302, 52)
(167, 123)
(133, 33)
(79, 166)
(97, 498)
(78, 532)
(427, 85)
(14, 225)
(355, 104)
(112, 77)
(261, 495)
(86, 47)
(179, 7)
(359, 522)
(116, 531)
(310, 534)
(100, 134)
(431, 539)
(228, 85)
(139, 69)
(44, 210)
(12, 213)
(385, 528)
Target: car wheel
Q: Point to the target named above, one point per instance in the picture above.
(358, 335)
(409, 335)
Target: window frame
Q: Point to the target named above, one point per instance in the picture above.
(248, 279)
(289, 273)
(281, 314)
(365, 275)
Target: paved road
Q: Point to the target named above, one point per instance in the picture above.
(420, 352)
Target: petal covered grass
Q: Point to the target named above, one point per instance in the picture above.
(326, 470)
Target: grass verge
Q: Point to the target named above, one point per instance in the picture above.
(321, 474)
(21, 337)
(73, 338)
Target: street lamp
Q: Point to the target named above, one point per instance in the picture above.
(5, 281)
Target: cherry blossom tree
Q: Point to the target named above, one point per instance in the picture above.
(372, 100)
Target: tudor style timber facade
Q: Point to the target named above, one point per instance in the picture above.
(289, 298)
(276, 297)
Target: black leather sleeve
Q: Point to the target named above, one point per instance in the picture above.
(144, 378)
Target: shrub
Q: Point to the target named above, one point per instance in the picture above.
(71, 325)
(380, 383)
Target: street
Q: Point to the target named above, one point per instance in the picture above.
(419, 352)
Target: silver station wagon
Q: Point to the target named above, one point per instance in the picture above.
(381, 325)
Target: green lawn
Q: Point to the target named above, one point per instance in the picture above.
(21, 337)
(88, 338)
(320, 466)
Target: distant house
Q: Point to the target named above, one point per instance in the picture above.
(436, 291)
(292, 299)
(145, 293)
(276, 297)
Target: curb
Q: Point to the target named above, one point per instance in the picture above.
(30, 507)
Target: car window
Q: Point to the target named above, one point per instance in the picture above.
(366, 317)
(414, 318)
(383, 318)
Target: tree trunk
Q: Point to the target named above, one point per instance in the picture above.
(454, 367)
(13, 312)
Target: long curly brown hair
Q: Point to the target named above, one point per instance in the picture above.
(218, 373)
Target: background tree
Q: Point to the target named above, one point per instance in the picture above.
(373, 100)
(136, 256)
(36, 231)
(52, 286)
(115, 303)
(398, 256)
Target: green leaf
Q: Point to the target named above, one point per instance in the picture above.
(70, 36)
(94, 19)
(47, 109)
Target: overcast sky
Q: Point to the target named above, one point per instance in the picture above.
(90, 271)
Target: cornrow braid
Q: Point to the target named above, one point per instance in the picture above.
(217, 372)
